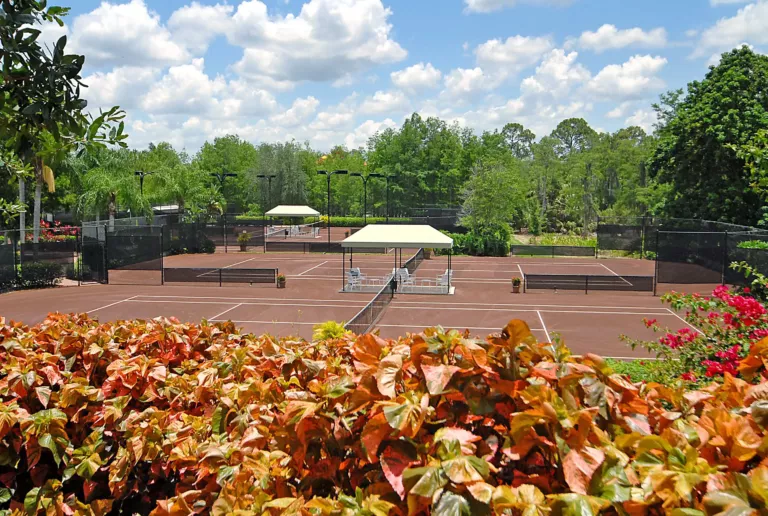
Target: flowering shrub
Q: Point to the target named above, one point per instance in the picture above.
(56, 232)
(721, 329)
(169, 419)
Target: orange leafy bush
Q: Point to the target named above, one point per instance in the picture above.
(167, 418)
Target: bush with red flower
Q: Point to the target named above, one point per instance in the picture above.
(720, 330)
(55, 232)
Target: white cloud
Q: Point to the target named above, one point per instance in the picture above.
(727, 2)
(487, 6)
(556, 75)
(359, 137)
(463, 83)
(417, 78)
(197, 25)
(619, 111)
(122, 86)
(513, 55)
(608, 37)
(298, 113)
(384, 102)
(125, 35)
(336, 117)
(327, 40)
(633, 79)
(642, 118)
(187, 90)
(749, 24)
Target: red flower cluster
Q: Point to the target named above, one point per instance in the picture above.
(750, 309)
(679, 339)
(689, 376)
(650, 323)
(55, 232)
(730, 362)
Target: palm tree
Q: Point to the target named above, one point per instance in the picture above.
(110, 180)
(184, 185)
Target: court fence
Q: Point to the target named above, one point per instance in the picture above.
(367, 318)
(553, 250)
(222, 276)
(587, 283)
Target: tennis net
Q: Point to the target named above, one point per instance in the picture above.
(299, 231)
(587, 282)
(366, 318)
(414, 261)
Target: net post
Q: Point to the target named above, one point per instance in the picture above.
(656, 264)
(725, 258)
(586, 284)
(162, 256)
(105, 254)
(553, 251)
(220, 279)
(79, 257)
(224, 227)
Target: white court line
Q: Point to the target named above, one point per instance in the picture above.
(224, 312)
(291, 305)
(313, 268)
(239, 263)
(292, 323)
(493, 329)
(686, 322)
(618, 276)
(112, 304)
(549, 339)
(422, 268)
(587, 312)
(398, 303)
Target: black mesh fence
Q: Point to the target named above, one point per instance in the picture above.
(588, 283)
(745, 247)
(220, 276)
(552, 250)
(138, 259)
(414, 261)
(92, 267)
(366, 318)
(616, 237)
(7, 265)
(691, 257)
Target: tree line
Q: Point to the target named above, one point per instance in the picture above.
(704, 159)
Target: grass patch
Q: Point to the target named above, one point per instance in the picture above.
(557, 239)
(643, 370)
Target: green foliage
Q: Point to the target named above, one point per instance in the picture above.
(483, 241)
(571, 240)
(753, 244)
(329, 330)
(493, 196)
(647, 370)
(243, 238)
(39, 275)
(77, 271)
(698, 134)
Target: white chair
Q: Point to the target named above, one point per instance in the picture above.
(444, 279)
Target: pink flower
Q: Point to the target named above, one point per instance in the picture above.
(689, 376)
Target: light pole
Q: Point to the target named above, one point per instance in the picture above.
(328, 212)
(386, 178)
(365, 191)
(141, 175)
(269, 179)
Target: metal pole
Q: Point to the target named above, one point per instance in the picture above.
(450, 252)
(220, 278)
(387, 188)
(725, 258)
(343, 259)
(162, 263)
(656, 264)
(328, 223)
(365, 201)
(586, 284)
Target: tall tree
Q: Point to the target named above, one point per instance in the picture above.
(696, 153)
(518, 140)
(42, 113)
(573, 135)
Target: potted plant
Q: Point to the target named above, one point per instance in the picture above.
(516, 284)
(281, 281)
(346, 234)
(427, 254)
(243, 239)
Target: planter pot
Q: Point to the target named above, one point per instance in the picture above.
(243, 247)
(427, 255)
(280, 284)
(516, 289)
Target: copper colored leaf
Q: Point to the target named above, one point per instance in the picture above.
(464, 437)
(386, 376)
(438, 377)
(516, 332)
(579, 466)
(451, 504)
(376, 430)
(395, 459)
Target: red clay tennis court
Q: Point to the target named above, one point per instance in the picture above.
(482, 303)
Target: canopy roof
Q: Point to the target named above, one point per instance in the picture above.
(292, 211)
(398, 236)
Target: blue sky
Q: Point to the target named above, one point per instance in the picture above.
(333, 72)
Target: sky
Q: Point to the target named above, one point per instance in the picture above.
(334, 72)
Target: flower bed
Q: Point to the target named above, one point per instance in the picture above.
(169, 418)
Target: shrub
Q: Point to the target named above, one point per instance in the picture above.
(486, 241)
(356, 222)
(169, 418)
(243, 238)
(556, 239)
(40, 275)
(753, 244)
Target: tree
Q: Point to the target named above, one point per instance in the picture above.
(518, 140)
(696, 153)
(231, 155)
(573, 135)
(42, 113)
(492, 196)
(108, 179)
